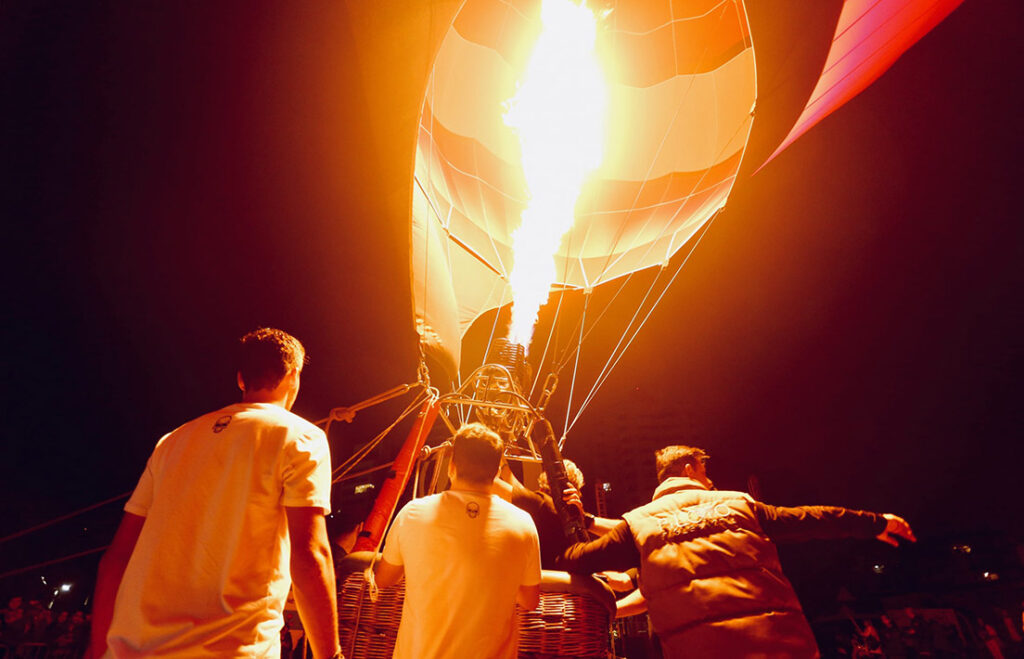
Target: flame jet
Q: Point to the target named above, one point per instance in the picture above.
(558, 114)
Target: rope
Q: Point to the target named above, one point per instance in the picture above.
(63, 517)
(342, 470)
(613, 360)
(617, 353)
(568, 351)
(359, 474)
(576, 365)
(547, 344)
(11, 573)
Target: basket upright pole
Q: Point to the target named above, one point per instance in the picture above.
(394, 485)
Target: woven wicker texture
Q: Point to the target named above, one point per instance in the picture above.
(564, 625)
(368, 629)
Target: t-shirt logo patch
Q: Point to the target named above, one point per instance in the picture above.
(472, 509)
(221, 423)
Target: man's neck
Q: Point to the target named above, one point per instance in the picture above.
(469, 486)
(264, 396)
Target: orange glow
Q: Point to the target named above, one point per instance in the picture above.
(558, 114)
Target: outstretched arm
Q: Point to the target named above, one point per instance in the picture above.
(613, 551)
(313, 579)
(631, 605)
(108, 580)
(825, 522)
(895, 527)
(593, 524)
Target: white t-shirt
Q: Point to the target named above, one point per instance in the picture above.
(210, 572)
(465, 557)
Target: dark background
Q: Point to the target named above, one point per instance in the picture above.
(849, 330)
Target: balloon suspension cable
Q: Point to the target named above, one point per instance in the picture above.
(422, 371)
(697, 68)
(616, 355)
(569, 352)
(575, 368)
(620, 349)
(347, 414)
(29, 568)
(342, 470)
(547, 343)
(360, 474)
(61, 518)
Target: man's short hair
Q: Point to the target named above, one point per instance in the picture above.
(571, 470)
(476, 453)
(265, 356)
(672, 460)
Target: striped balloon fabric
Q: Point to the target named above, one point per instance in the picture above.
(681, 79)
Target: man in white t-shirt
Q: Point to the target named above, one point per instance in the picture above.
(228, 514)
(468, 557)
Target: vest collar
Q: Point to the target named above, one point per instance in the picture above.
(676, 484)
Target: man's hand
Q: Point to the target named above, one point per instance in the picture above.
(571, 497)
(620, 582)
(895, 527)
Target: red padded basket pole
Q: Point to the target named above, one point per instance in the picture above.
(384, 507)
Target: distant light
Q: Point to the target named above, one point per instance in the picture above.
(962, 549)
(990, 576)
(65, 587)
(878, 568)
(364, 487)
(607, 487)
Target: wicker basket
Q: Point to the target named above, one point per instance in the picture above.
(573, 618)
(367, 629)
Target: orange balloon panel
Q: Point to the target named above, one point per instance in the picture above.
(681, 82)
(870, 36)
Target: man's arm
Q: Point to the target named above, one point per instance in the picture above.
(108, 580)
(826, 522)
(631, 605)
(601, 525)
(505, 482)
(593, 524)
(612, 551)
(385, 574)
(313, 581)
(895, 527)
(528, 597)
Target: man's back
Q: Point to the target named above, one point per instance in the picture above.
(209, 574)
(465, 556)
(712, 578)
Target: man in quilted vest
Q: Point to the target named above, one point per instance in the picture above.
(709, 569)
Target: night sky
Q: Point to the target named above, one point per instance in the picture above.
(177, 173)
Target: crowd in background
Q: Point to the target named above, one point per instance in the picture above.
(30, 629)
(910, 633)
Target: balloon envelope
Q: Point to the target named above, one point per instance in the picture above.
(681, 79)
(683, 83)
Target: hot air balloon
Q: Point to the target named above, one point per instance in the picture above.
(701, 93)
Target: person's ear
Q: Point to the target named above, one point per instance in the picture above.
(241, 382)
(689, 471)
